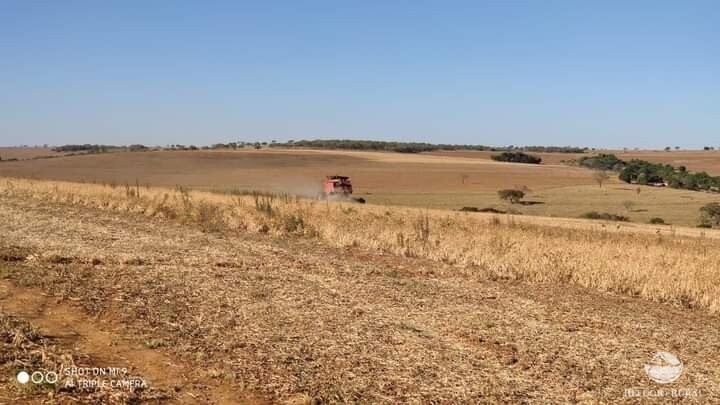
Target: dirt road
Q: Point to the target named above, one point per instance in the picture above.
(248, 317)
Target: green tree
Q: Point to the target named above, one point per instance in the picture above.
(516, 157)
(512, 195)
(602, 161)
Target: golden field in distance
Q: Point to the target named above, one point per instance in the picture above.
(442, 180)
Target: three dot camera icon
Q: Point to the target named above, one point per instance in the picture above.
(37, 377)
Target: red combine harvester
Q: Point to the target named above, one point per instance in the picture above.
(339, 187)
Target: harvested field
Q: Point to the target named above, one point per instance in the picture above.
(345, 310)
(293, 171)
(426, 181)
(22, 153)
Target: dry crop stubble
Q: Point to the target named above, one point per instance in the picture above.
(293, 318)
(675, 266)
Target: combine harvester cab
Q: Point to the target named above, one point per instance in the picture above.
(339, 188)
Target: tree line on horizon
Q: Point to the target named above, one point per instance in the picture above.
(95, 148)
(414, 147)
(347, 144)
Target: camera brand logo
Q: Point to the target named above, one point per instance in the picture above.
(37, 377)
(664, 368)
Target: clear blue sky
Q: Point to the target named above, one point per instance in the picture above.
(602, 73)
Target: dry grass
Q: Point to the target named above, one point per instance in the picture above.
(675, 265)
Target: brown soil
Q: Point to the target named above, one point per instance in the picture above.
(103, 341)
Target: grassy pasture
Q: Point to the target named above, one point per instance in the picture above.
(448, 180)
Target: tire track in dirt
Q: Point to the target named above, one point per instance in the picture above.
(73, 330)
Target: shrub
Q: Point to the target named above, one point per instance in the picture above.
(516, 157)
(488, 209)
(605, 216)
(710, 215)
(657, 221)
(492, 210)
(512, 195)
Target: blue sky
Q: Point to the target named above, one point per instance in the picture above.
(603, 73)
